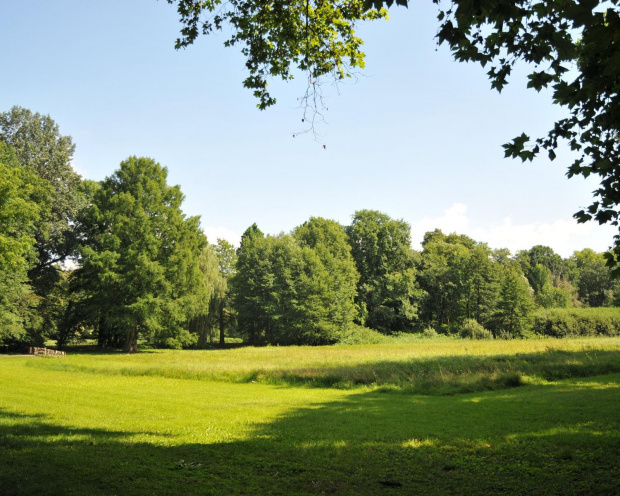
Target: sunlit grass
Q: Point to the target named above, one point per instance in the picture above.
(147, 409)
(425, 366)
(119, 424)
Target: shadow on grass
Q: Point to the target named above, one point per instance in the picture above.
(555, 439)
(451, 374)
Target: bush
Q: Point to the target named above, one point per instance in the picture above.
(471, 329)
(430, 332)
(356, 334)
(502, 334)
(567, 322)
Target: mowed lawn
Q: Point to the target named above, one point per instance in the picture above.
(453, 417)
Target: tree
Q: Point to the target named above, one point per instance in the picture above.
(541, 258)
(217, 264)
(440, 269)
(277, 38)
(227, 258)
(40, 148)
(482, 285)
(298, 308)
(548, 275)
(593, 279)
(460, 278)
(387, 291)
(22, 203)
(553, 37)
(549, 295)
(287, 292)
(204, 312)
(247, 284)
(515, 305)
(329, 241)
(140, 271)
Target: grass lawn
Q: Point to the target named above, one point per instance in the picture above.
(337, 420)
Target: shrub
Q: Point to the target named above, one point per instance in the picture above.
(502, 334)
(429, 332)
(356, 334)
(473, 330)
(566, 322)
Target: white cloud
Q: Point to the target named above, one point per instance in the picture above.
(213, 233)
(454, 219)
(563, 235)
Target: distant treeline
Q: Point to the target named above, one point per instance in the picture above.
(118, 261)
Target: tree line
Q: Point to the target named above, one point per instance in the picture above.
(118, 260)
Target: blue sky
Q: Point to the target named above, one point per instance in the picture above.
(417, 135)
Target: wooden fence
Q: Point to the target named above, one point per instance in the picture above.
(45, 352)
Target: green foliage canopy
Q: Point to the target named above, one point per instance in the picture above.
(40, 147)
(140, 269)
(329, 241)
(594, 284)
(46, 154)
(460, 277)
(227, 259)
(515, 305)
(277, 38)
(20, 211)
(295, 289)
(387, 291)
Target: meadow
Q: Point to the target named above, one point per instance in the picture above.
(420, 417)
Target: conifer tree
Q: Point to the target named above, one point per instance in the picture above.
(140, 269)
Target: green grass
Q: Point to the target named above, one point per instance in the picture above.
(195, 423)
(426, 366)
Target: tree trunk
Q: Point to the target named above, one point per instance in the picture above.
(201, 326)
(222, 341)
(131, 343)
(253, 333)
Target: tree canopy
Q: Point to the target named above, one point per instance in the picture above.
(40, 147)
(140, 271)
(387, 291)
(46, 154)
(20, 211)
(278, 38)
(145, 271)
(295, 289)
(460, 278)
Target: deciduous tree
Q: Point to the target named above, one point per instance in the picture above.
(387, 291)
(249, 287)
(295, 289)
(594, 283)
(515, 305)
(40, 147)
(227, 259)
(460, 277)
(329, 241)
(42, 150)
(277, 38)
(22, 204)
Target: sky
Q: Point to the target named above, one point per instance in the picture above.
(416, 135)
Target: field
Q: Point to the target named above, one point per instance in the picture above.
(425, 417)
